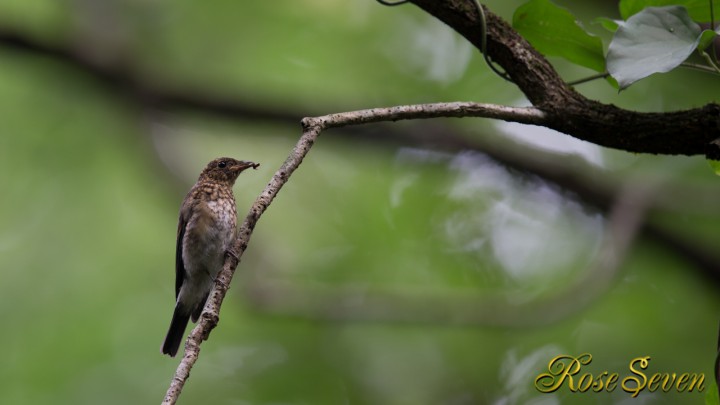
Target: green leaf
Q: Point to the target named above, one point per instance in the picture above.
(608, 23)
(706, 39)
(655, 40)
(699, 10)
(612, 82)
(554, 31)
(715, 165)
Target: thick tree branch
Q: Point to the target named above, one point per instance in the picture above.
(676, 133)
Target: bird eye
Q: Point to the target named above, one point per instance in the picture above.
(222, 164)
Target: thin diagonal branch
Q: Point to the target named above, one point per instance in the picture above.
(312, 127)
(211, 313)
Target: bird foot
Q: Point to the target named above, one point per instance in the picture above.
(231, 252)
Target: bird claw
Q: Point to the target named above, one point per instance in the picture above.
(231, 252)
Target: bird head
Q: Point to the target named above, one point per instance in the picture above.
(225, 170)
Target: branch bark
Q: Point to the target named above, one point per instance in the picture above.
(676, 133)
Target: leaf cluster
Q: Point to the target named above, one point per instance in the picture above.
(653, 36)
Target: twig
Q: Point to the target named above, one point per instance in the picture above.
(695, 66)
(483, 43)
(523, 115)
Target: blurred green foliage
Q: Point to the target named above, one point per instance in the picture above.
(317, 314)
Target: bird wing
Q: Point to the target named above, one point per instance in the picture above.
(179, 264)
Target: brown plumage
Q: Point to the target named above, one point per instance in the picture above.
(206, 230)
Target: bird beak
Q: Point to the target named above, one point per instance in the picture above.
(244, 165)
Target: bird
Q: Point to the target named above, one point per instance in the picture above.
(206, 232)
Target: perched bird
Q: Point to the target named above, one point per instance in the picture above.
(206, 231)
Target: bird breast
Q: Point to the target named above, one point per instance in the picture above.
(209, 234)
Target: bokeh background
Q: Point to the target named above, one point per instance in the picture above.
(436, 262)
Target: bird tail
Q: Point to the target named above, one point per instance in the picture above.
(176, 333)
